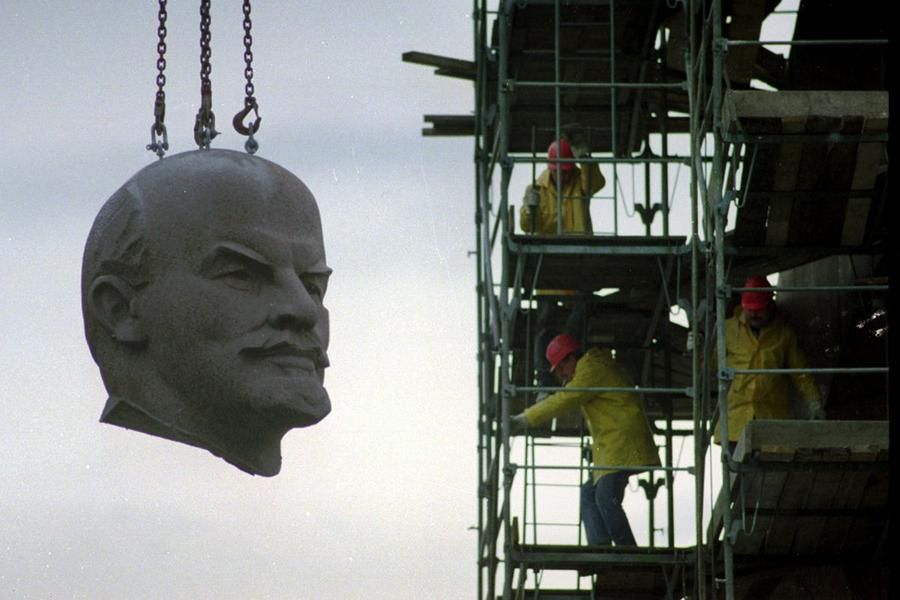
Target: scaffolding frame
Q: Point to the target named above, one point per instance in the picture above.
(495, 310)
(712, 189)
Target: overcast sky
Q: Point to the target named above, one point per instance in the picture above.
(377, 500)
(373, 502)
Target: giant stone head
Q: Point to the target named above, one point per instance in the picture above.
(202, 292)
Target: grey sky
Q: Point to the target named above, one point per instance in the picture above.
(374, 501)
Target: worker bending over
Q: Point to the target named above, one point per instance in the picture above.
(619, 433)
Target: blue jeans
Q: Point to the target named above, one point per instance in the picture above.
(601, 511)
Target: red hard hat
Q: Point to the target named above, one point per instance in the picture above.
(756, 300)
(560, 348)
(562, 150)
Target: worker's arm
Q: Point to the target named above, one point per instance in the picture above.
(592, 180)
(553, 406)
(531, 201)
(806, 383)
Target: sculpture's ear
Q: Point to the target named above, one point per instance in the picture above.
(110, 302)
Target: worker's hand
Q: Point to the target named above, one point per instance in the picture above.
(532, 196)
(517, 424)
(816, 411)
(689, 343)
(580, 150)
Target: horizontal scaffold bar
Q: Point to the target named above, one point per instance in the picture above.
(568, 249)
(860, 42)
(812, 371)
(548, 555)
(685, 160)
(811, 288)
(630, 468)
(793, 138)
(636, 389)
(512, 84)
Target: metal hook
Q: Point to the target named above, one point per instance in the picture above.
(238, 121)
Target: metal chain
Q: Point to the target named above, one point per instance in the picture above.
(250, 104)
(205, 123)
(159, 137)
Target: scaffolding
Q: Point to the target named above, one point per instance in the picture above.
(660, 91)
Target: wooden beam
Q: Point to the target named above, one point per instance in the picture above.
(450, 67)
(741, 105)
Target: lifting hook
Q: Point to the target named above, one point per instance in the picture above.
(238, 121)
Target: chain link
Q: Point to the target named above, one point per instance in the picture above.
(248, 50)
(250, 104)
(159, 137)
(205, 123)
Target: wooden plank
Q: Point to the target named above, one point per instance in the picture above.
(770, 434)
(869, 160)
(739, 106)
(816, 219)
(452, 67)
(763, 491)
(787, 168)
(850, 490)
(825, 486)
(746, 20)
(814, 441)
(781, 529)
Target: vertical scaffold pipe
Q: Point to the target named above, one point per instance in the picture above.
(714, 197)
(699, 442)
(557, 128)
(481, 220)
(503, 25)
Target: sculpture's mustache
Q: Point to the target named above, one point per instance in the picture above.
(282, 345)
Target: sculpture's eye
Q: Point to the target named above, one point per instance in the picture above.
(238, 272)
(315, 285)
(240, 278)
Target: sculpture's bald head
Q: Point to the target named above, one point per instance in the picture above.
(206, 273)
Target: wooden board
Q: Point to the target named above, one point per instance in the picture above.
(814, 507)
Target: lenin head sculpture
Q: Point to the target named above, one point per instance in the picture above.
(202, 286)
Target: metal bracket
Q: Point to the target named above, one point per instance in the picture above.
(509, 86)
(727, 374)
(720, 45)
(651, 488)
(727, 199)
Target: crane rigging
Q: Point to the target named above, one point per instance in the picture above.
(205, 121)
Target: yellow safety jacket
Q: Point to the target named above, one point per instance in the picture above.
(575, 217)
(763, 396)
(619, 431)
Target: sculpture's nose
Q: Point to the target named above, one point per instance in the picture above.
(292, 305)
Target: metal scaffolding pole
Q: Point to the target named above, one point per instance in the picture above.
(697, 405)
(720, 210)
(505, 172)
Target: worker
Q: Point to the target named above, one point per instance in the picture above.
(620, 435)
(578, 184)
(758, 337)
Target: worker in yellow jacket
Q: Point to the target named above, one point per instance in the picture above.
(540, 200)
(619, 431)
(758, 337)
(578, 185)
